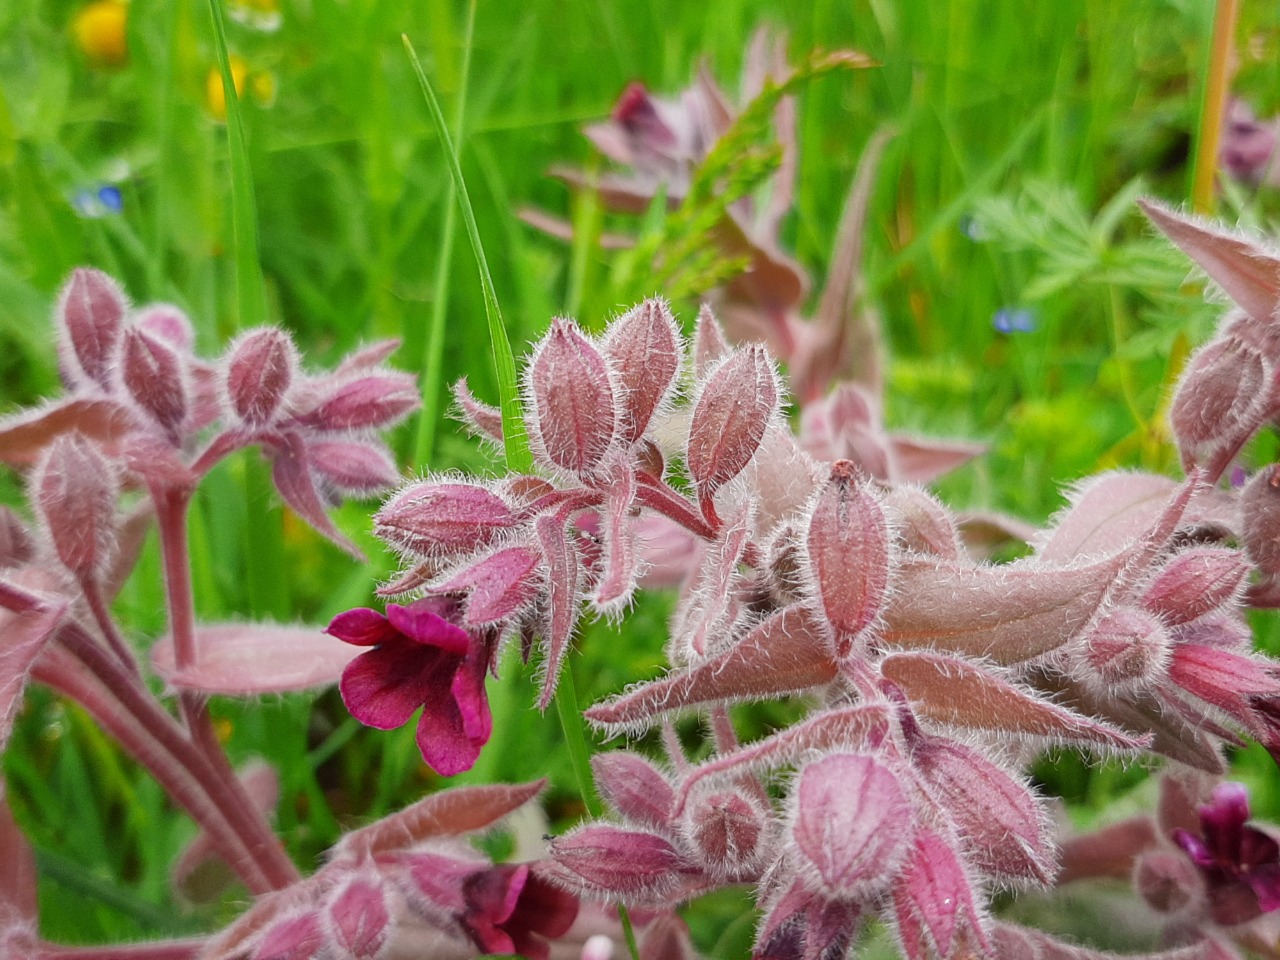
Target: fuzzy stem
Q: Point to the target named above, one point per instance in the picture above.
(172, 505)
(158, 950)
(656, 495)
(221, 786)
(58, 671)
(106, 624)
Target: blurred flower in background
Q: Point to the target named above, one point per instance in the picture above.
(260, 84)
(1014, 320)
(99, 31)
(96, 202)
(261, 15)
(1249, 145)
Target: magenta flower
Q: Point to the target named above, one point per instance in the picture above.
(508, 910)
(420, 658)
(1240, 864)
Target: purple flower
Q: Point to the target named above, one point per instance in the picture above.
(1240, 864)
(1014, 320)
(420, 658)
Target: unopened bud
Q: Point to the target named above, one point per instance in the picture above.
(354, 467)
(259, 374)
(624, 863)
(498, 586)
(373, 401)
(1220, 393)
(852, 824)
(357, 919)
(730, 417)
(1260, 519)
(91, 310)
(573, 415)
(1126, 648)
(849, 554)
(433, 519)
(635, 787)
(645, 347)
(926, 526)
(75, 490)
(709, 343)
(1167, 881)
(727, 830)
(297, 938)
(166, 322)
(1194, 583)
(153, 376)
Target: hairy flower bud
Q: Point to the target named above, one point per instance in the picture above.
(646, 350)
(91, 310)
(852, 824)
(849, 554)
(372, 401)
(1260, 519)
(727, 830)
(630, 864)
(730, 417)
(1126, 648)
(1220, 393)
(635, 787)
(573, 415)
(259, 373)
(168, 323)
(153, 376)
(357, 920)
(925, 525)
(1194, 583)
(299, 937)
(434, 519)
(498, 586)
(354, 467)
(75, 493)
(709, 344)
(16, 547)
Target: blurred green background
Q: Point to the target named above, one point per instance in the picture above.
(1023, 133)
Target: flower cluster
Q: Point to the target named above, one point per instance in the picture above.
(1123, 632)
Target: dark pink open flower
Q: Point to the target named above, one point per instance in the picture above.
(1240, 864)
(420, 658)
(508, 910)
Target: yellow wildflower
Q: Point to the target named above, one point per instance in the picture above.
(215, 96)
(99, 31)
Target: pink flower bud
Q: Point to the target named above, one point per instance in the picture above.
(1126, 648)
(925, 525)
(297, 938)
(852, 824)
(1194, 583)
(849, 553)
(498, 586)
(91, 309)
(635, 787)
(1260, 519)
(371, 401)
(354, 467)
(933, 903)
(259, 374)
(166, 322)
(728, 832)
(357, 919)
(1168, 881)
(572, 413)
(433, 519)
(997, 816)
(1219, 397)
(153, 377)
(646, 351)
(629, 864)
(75, 493)
(730, 417)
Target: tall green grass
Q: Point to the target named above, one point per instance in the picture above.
(1014, 133)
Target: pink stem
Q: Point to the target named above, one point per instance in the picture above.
(56, 669)
(656, 495)
(107, 625)
(172, 505)
(221, 785)
(158, 950)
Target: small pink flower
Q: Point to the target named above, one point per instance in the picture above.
(508, 910)
(420, 658)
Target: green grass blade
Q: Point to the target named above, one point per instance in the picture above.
(515, 443)
(433, 349)
(250, 289)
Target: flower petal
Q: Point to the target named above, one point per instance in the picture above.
(422, 623)
(361, 626)
(383, 686)
(443, 736)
